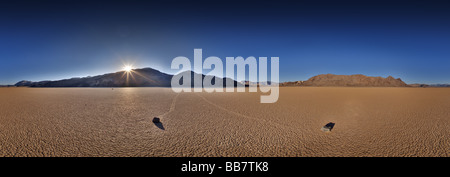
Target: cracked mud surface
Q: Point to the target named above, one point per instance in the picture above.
(104, 122)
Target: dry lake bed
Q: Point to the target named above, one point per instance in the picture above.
(118, 122)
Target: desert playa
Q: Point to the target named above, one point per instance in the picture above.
(95, 122)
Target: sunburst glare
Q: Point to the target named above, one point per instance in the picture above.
(127, 68)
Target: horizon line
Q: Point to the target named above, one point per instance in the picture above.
(281, 81)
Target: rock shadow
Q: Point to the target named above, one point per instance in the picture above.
(160, 126)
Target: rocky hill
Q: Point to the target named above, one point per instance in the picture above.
(356, 80)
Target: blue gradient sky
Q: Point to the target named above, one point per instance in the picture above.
(49, 40)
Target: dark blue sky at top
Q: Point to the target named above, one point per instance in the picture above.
(49, 40)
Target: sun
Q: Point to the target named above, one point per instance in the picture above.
(128, 68)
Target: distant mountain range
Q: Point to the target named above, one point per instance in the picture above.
(439, 85)
(148, 77)
(145, 77)
(429, 85)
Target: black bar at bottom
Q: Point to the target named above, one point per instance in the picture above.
(241, 166)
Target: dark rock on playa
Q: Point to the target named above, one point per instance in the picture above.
(156, 120)
(328, 127)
